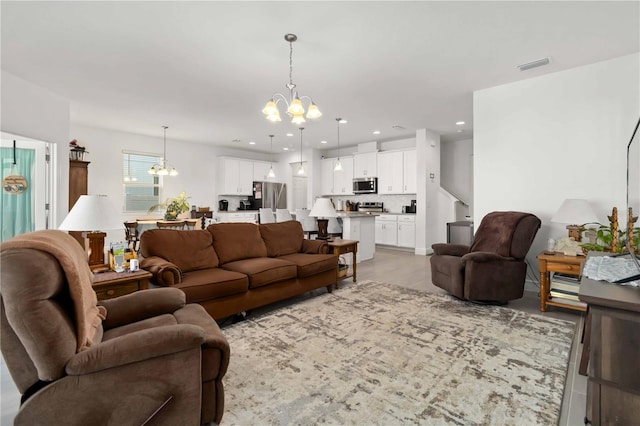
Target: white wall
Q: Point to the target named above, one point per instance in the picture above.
(456, 166)
(557, 136)
(34, 112)
(428, 216)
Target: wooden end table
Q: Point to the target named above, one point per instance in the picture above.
(112, 284)
(340, 246)
(558, 262)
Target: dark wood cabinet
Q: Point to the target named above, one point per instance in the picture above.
(78, 185)
(613, 389)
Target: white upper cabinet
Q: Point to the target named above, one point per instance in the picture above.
(261, 170)
(410, 176)
(333, 182)
(365, 164)
(236, 176)
(390, 173)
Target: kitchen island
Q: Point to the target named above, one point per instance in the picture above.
(360, 226)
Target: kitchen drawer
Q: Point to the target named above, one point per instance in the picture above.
(407, 218)
(563, 267)
(387, 218)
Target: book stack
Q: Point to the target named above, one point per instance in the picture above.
(565, 286)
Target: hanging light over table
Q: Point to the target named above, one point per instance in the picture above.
(301, 168)
(295, 109)
(162, 169)
(271, 173)
(338, 166)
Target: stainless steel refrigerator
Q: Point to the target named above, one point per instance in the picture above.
(269, 195)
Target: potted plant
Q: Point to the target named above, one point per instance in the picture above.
(173, 206)
(610, 238)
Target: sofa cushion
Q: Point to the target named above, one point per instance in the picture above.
(237, 241)
(263, 270)
(312, 264)
(188, 250)
(210, 284)
(282, 238)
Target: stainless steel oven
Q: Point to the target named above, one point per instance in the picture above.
(365, 185)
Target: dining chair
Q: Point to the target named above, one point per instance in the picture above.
(309, 224)
(266, 216)
(131, 234)
(170, 224)
(334, 228)
(191, 224)
(283, 215)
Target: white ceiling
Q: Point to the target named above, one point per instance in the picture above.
(206, 69)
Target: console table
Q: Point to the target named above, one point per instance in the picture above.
(613, 344)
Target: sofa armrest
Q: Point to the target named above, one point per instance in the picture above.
(164, 272)
(484, 256)
(135, 347)
(142, 305)
(450, 249)
(315, 247)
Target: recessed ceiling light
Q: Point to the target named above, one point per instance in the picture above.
(459, 123)
(343, 121)
(289, 134)
(252, 143)
(323, 141)
(285, 149)
(376, 132)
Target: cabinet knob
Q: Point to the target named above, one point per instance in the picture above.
(110, 292)
(569, 267)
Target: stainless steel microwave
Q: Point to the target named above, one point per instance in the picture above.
(365, 185)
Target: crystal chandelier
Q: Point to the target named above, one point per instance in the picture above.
(162, 169)
(295, 109)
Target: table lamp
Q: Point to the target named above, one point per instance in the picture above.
(575, 211)
(323, 208)
(93, 214)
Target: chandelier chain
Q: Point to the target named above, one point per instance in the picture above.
(291, 63)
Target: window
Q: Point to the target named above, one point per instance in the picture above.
(141, 190)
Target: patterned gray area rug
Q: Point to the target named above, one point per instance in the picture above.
(374, 353)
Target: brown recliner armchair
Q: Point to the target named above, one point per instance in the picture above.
(493, 269)
(142, 357)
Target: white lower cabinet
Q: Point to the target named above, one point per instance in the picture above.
(251, 217)
(396, 230)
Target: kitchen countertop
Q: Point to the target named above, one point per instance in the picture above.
(357, 214)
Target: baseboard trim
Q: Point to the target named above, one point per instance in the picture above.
(424, 251)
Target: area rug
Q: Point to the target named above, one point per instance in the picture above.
(375, 353)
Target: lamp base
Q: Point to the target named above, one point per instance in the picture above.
(322, 229)
(96, 249)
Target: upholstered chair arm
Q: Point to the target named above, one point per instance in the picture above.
(164, 272)
(450, 249)
(315, 247)
(484, 256)
(141, 305)
(134, 347)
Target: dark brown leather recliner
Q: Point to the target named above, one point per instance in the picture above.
(493, 269)
(144, 357)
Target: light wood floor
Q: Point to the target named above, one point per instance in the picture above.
(408, 270)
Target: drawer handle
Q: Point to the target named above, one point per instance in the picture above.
(110, 292)
(569, 267)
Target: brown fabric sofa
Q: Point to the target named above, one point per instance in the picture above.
(233, 267)
(149, 356)
(493, 269)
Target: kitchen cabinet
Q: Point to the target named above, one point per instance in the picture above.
(365, 164)
(235, 217)
(407, 231)
(409, 172)
(235, 176)
(336, 183)
(261, 170)
(390, 175)
(387, 230)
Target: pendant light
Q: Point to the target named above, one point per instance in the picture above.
(162, 169)
(271, 173)
(301, 168)
(338, 166)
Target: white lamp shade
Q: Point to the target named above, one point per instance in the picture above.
(323, 208)
(92, 213)
(575, 212)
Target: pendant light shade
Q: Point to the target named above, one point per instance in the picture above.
(301, 168)
(271, 173)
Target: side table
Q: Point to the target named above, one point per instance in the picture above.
(340, 246)
(112, 284)
(557, 262)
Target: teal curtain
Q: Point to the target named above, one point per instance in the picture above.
(17, 215)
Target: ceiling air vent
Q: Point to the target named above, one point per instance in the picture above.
(398, 127)
(534, 64)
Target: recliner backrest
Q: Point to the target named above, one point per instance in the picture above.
(509, 234)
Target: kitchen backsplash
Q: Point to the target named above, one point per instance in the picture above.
(392, 203)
